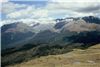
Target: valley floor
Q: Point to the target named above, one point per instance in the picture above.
(77, 58)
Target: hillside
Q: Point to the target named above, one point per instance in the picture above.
(77, 58)
(23, 43)
(50, 33)
(14, 34)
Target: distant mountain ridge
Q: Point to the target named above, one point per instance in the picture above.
(49, 33)
(15, 32)
(92, 19)
(21, 42)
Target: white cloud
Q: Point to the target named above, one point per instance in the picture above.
(74, 8)
(40, 13)
(28, 21)
(54, 8)
(39, 20)
(8, 7)
(6, 22)
(21, 13)
(29, 12)
(2, 1)
(75, 0)
(46, 20)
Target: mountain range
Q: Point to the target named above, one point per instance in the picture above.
(65, 30)
(22, 42)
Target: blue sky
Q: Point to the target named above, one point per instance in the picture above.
(44, 10)
(36, 3)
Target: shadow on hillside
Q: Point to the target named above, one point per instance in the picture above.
(86, 38)
(29, 51)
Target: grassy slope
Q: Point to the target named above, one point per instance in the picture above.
(77, 58)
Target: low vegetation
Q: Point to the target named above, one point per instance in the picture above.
(30, 51)
(77, 58)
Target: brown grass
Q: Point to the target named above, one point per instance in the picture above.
(77, 58)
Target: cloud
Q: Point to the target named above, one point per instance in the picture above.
(40, 13)
(92, 7)
(29, 12)
(53, 9)
(76, 8)
(9, 7)
(28, 21)
(75, 0)
(2, 1)
(21, 13)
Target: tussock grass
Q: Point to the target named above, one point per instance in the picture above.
(77, 58)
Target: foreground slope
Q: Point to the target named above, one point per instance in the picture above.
(77, 58)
